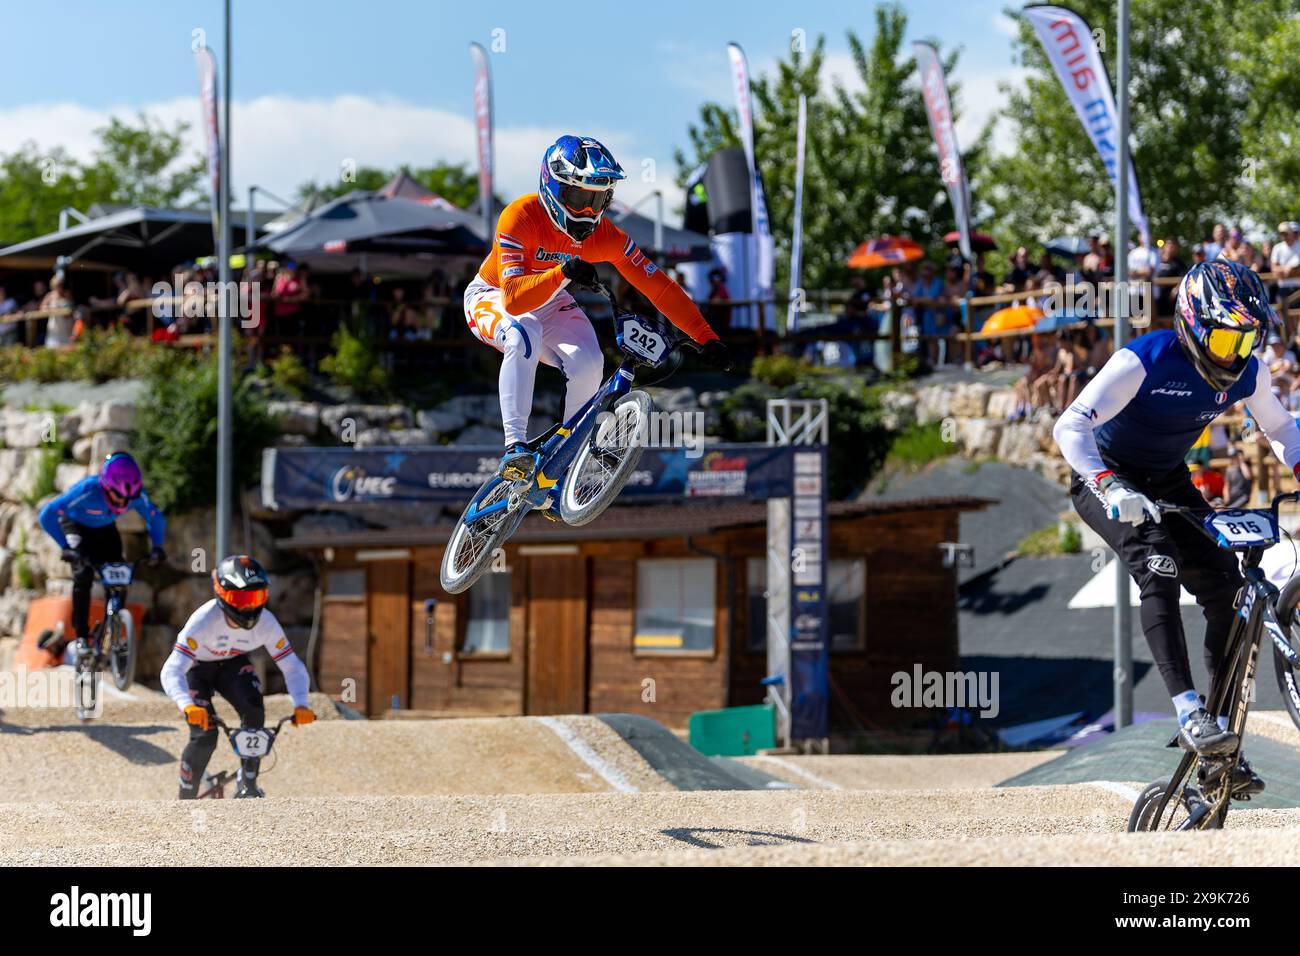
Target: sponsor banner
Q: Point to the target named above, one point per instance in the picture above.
(763, 274)
(796, 235)
(809, 551)
(206, 64)
(303, 479)
(938, 109)
(1069, 45)
(483, 129)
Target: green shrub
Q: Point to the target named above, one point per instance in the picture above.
(288, 374)
(779, 371)
(176, 436)
(1054, 539)
(22, 570)
(48, 466)
(354, 364)
(98, 356)
(918, 445)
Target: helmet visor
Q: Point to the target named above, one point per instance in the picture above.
(1225, 346)
(585, 203)
(240, 600)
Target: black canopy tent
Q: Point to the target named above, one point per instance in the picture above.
(145, 239)
(334, 237)
(681, 245)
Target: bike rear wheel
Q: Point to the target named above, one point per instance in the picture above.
(1185, 810)
(121, 649)
(473, 544)
(606, 460)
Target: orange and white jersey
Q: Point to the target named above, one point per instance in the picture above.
(528, 253)
(207, 636)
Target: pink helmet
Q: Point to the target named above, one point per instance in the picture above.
(121, 480)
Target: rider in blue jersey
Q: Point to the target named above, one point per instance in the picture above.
(83, 522)
(1126, 437)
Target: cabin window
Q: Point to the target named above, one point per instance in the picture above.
(346, 584)
(846, 590)
(675, 606)
(487, 615)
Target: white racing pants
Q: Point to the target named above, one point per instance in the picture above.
(558, 333)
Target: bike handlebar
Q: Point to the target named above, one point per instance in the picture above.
(1193, 514)
(218, 722)
(677, 339)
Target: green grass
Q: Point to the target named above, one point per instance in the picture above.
(1055, 539)
(918, 445)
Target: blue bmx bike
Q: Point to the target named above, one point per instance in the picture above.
(580, 465)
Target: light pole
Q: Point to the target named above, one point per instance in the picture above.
(224, 310)
(1120, 301)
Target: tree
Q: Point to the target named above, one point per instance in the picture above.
(455, 183)
(871, 167)
(1211, 99)
(131, 164)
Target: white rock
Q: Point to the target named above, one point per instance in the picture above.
(979, 437)
(104, 444)
(82, 448)
(30, 429)
(480, 435)
(114, 415)
(68, 474)
(296, 418)
(440, 421)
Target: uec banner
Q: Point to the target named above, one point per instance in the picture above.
(308, 479)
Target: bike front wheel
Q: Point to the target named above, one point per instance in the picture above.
(121, 649)
(475, 541)
(1288, 677)
(606, 461)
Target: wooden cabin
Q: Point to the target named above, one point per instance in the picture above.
(657, 610)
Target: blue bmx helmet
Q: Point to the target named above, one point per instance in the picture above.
(577, 184)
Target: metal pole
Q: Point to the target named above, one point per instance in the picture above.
(250, 228)
(1120, 306)
(224, 490)
(659, 226)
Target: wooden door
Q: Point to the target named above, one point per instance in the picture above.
(388, 635)
(557, 635)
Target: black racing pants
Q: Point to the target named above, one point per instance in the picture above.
(1162, 556)
(235, 679)
(97, 546)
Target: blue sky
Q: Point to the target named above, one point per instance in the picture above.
(378, 83)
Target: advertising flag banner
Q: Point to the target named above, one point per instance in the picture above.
(1070, 47)
(483, 126)
(763, 265)
(796, 235)
(938, 109)
(206, 63)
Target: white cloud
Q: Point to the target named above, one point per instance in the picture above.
(280, 142)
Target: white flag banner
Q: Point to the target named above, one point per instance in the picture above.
(938, 109)
(483, 129)
(796, 235)
(206, 64)
(763, 276)
(1069, 45)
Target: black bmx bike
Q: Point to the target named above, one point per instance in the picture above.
(1199, 793)
(245, 742)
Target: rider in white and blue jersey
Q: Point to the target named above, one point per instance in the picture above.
(1126, 437)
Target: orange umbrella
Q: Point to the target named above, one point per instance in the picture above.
(1014, 318)
(885, 251)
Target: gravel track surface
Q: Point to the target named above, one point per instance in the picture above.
(565, 791)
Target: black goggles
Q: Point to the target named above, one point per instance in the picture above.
(585, 202)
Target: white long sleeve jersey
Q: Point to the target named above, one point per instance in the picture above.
(1147, 406)
(207, 636)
